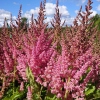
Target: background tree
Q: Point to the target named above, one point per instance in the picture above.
(96, 20)
(24, 23)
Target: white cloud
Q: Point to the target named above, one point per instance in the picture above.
(83, 1)
(4, 14)
(1, 22)
(93, 13)
(98, 0)
(50, 10)
(98, 8)
(76, 11)
(69, 21)
(63, 10)
(79, 2)
(15, 3)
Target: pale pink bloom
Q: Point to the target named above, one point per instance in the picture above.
(29, 93)
(22, 86)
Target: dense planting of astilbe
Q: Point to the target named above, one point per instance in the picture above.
(69, 72)
(36, 47)
(10, 42)
(63, 75)
(64, 62)
(7, 62)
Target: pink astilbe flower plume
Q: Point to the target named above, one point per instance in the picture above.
(41, 54)
(64, 60)
(63, 74)
(29, 93)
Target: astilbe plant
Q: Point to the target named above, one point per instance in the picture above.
(6, 60)
(70, 72)
(11, 45)
(62, 63)
(36, 46)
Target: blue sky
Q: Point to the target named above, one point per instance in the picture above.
(68, 8)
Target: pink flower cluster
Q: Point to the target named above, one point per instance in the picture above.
(65, 72)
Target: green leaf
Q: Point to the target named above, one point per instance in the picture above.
(89, 90)
(51, 96)
(15, 96)
(97, 94)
